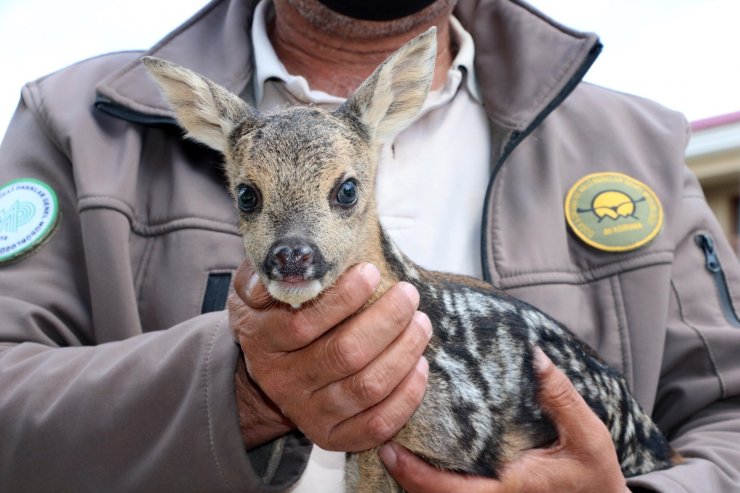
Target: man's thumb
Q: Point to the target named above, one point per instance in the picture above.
(558, 397)
(249, 288)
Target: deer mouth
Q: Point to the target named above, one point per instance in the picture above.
(294, 280)
(295, 290)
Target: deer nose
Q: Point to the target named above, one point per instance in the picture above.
(290, 257)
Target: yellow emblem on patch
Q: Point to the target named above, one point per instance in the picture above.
(613, 212)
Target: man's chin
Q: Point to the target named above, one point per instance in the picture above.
(294, 293)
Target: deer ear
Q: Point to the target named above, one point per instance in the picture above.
(207, 111)
(392, 96)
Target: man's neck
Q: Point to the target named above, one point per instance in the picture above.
(337, 63)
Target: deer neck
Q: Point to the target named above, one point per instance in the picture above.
(378, 249)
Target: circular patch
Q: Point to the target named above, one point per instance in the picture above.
(613, 212)
(28, 214)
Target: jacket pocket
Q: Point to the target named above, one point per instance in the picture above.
(714, 268)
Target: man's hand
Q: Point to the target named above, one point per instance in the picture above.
(349, 381)
(582, 460)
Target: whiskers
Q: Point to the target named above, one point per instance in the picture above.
(321, 304)
(268, 302)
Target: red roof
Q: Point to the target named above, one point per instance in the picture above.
(715, 121)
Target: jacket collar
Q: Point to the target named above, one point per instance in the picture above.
(524, 59)
(224, 58)
(526, 63)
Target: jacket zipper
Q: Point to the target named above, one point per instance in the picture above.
(517, 137)
(713, 265)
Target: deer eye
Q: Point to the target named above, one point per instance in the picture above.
(347, 193)
(248, 198)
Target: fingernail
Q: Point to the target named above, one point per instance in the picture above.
(541, 361)
(388, 455)
(423, 366)
(252, 283)
(370, 271)
(423, 320)
(411, 292)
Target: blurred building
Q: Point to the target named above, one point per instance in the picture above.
(713, 154)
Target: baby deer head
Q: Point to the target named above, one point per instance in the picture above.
(303, 179)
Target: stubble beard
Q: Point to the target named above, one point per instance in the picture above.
(328, 20)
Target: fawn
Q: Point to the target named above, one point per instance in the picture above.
(303, 181)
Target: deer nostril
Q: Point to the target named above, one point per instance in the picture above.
(280, 256)
(292, 257)
(304, 254)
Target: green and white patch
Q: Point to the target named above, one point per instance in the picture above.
(28, 214)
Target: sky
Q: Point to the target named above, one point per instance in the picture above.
(684, 54)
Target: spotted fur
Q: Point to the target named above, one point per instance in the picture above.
(480, 410)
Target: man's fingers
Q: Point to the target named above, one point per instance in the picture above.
(383, 421)
(355, 343)
(374, 382)
(291, 329)
(348, 294)
(416, 476)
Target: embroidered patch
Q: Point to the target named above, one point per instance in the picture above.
(613, 212)
(28, 214)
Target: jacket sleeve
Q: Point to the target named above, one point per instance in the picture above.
(698, 400)
(152, 412)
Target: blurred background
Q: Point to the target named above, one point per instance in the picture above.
(685, 54)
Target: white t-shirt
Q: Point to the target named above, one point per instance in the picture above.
(431, 183)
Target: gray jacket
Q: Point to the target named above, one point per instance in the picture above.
(116, 359)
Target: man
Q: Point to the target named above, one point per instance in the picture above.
(132, 233)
